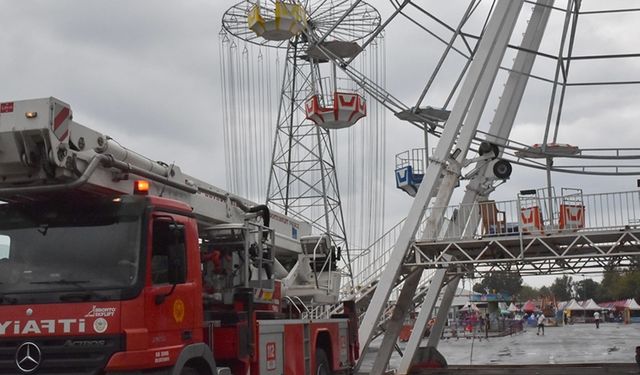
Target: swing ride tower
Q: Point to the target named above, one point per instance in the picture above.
(314, 102)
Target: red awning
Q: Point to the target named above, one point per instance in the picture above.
(529, 307)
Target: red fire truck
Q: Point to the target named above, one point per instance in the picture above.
(111, 263)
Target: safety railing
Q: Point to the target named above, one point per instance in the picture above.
(416, 158)
(611, 210)
(367, 267)
(465, 328)
(371, 262)
(569, 211)
(326, 87)
(538, 213)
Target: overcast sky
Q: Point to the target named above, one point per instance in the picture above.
(146, 72)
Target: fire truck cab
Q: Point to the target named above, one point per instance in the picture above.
(111, 263)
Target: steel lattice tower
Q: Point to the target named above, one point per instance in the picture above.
(302, 179)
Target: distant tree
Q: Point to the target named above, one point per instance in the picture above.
(586, 289)
(500, 282)
(545, 292)
(617, 284)
(561, 288)
(610, 289)
(630, 285)
(528, 292)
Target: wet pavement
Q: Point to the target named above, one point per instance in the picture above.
(573, 344)
(578, 343)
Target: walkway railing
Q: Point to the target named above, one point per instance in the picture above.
(371, 262)
(535, 213)
(367, 267)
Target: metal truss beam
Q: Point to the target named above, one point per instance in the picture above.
(303, 181)
(452, 149)
(537, 255)
(502, 125)
(419, 327)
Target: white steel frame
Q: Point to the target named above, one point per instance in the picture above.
(455, 140)
(481, 183)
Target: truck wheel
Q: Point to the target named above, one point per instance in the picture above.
(322, 363)
(189, 371)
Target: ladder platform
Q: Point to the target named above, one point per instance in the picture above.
(536, 254)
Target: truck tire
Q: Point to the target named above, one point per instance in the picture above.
(189, 371)
(322, 363)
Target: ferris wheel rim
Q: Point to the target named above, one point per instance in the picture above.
(361, 22)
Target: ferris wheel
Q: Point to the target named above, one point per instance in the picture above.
(316, 56)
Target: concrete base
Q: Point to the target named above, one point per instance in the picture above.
(427, 358)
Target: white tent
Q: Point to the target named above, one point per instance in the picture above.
(573, 305)
(469, 306)
(575, 311)
(591, 305)
(632, 304)
(513, 307)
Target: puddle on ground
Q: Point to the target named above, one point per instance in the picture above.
(504, 352)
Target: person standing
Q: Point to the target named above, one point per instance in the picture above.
(540, 324)
(596, 317)
(487, 326)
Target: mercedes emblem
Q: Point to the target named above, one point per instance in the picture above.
(28, 357)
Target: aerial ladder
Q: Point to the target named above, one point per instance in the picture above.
(74, 158)
(198, 281)
(448, 159)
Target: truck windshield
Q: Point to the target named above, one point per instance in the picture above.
(76, 250)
